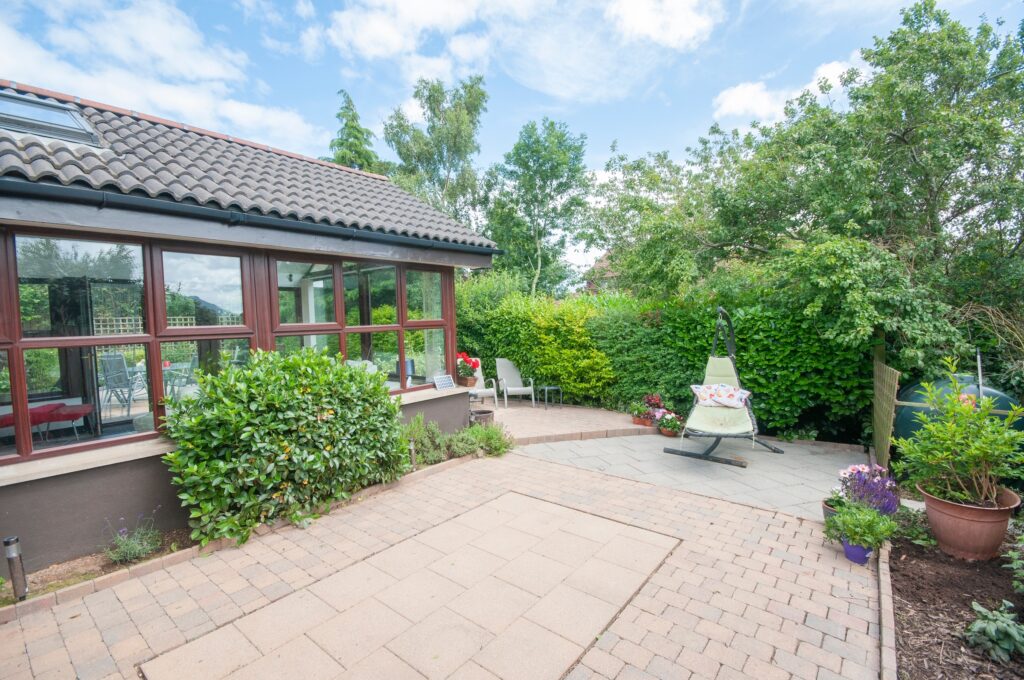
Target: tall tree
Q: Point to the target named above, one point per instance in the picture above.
(352, 146)
(437, 157)
(536, 199)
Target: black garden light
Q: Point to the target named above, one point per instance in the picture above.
(12, 548)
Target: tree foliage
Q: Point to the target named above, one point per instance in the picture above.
(437, 157)
(535, 199)
(352, 146)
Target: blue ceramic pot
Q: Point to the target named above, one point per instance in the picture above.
(858, 554)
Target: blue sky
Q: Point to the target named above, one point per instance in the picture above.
(652, 74)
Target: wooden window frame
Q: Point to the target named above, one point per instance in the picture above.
(261, 325)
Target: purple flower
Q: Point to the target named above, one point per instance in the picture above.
(871, 486)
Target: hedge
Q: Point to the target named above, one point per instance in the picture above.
(280, 437)
(610, 350)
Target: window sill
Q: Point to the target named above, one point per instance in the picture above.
(42, 468)
(417, 396)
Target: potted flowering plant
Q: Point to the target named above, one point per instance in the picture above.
(641, 414)
(670, 424)
(861, 529)
(466, 367)
(958, 460)
(869, 485)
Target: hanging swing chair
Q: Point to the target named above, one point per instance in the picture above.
(720, 422)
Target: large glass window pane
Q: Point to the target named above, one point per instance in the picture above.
(288, 344)
(424, 356)
(423, 294)
(6, 410)
(73, 287)
(202, 290)
(85, 393)
(370, 294)
(376, 352)
(180, 361)
(305, 292)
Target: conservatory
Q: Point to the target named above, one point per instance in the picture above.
(135, 251)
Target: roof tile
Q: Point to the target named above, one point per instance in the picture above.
(160, 157)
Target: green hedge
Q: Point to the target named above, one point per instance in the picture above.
(611, 350)
(281, 436)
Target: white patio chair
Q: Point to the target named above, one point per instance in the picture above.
(484, 387)
(511, 382)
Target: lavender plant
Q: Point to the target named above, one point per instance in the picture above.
(868, 485)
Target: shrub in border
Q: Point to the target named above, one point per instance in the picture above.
(280, 437)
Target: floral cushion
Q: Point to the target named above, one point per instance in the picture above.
(720, 395)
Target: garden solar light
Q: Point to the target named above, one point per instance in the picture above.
(12, 548)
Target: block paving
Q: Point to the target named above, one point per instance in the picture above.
(494, 568)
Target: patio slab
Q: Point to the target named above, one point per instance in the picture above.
(793, 482)
(744, 592)
(535, 425)
(581, 576)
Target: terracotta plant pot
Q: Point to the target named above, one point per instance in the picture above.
(467, 382)
(637, 420)
(827, 510)
(668, 433)
(970, 532)
(858, 554)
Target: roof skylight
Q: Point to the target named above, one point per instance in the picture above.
(49, 119)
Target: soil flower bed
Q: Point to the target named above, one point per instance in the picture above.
(932, 594)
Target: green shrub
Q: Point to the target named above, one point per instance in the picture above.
(996, 632)
(491, 440)
(433, 446)
(859, 525)
(280, 437)
(962, 452)
(131, 545)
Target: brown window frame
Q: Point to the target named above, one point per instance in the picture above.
(260, 315)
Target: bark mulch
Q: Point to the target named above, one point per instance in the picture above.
(933, 594)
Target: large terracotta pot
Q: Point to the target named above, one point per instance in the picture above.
(466, 382)
(668, 433)
(970, 532)
(637, 420)
(827, 510)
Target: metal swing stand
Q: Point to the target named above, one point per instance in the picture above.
(721, 371)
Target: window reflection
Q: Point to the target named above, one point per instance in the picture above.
(424, 355)
(73, 287)
(289, 344)
(81, 393)
(370, 294)
(202, 290)
(305, 292)
(180, 361)
(423, 294)
(6, 409)
(376, 352)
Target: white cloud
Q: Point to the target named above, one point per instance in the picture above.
(677, 24)
(260, 10)
(569, 49)
(311, 42)
(149, 56)
(305, 9)
(756, 101)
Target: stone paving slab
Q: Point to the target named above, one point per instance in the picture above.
(748, 592)
(552, 590)
(794, 482)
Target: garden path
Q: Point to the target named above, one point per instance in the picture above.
(662, 583)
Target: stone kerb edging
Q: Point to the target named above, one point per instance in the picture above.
(80, 590)
(886, 616)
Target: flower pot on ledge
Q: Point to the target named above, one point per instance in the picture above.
(667, 432)
(637, 420)
(970, 532)
(466, 382)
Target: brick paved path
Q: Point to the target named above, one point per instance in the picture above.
(744, 592)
